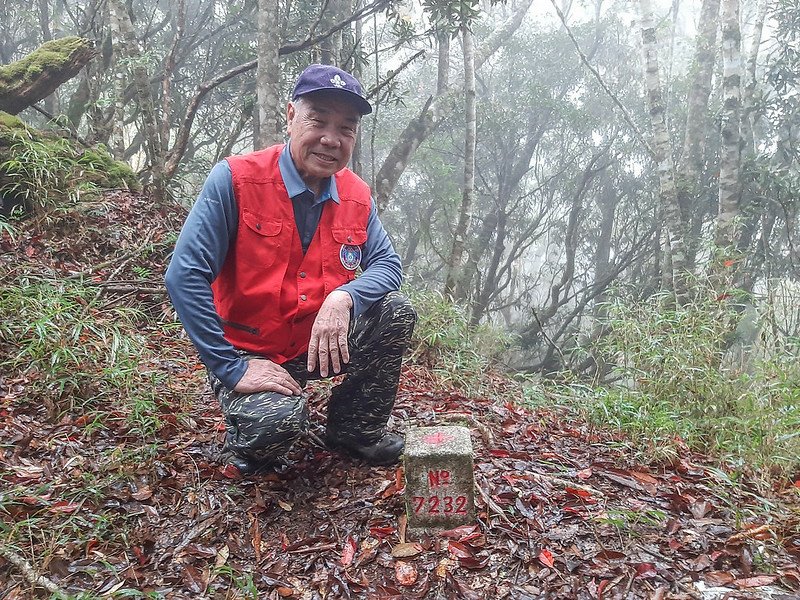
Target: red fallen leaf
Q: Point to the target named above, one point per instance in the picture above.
(797, 483)
(474, 563)
(499, 453)
(90, 545)
(601, 587)
(718, 578)
(381, 532)
(457, 533)
(607, 554)
(582, 494)
(349, 551)
(460, 550)
(405, 573)
(140, 555)
(231, 472)
(646, 570)
(754, 582)
(584, 474)
(64, 507)
(546, 557)
(729, 263)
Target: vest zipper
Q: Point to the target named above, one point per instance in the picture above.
(239, 326)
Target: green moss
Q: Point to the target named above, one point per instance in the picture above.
(8, 121)
(50, 55)
(111, 173)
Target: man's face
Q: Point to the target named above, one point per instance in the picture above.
(322, 128)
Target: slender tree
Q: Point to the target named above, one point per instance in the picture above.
(268, 75)
(726, 233)
(468, 192)
(663, 150)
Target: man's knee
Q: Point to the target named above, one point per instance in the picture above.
(268, 419)
(399, 308)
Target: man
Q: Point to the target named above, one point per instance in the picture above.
(263, 280)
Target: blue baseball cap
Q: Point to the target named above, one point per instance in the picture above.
(327, 77)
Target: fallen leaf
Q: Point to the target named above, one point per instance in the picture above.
(284, 592)
(285, 505)
(405, 573)
(700, 508)
(442, 568)
(754, 582)
(222, 556)
(718, 578)
(584, 474)
(546, 557)
(64, 507)
(407, 549)
(143, 493)
(646, 570)
(349, 551)
(460, 550)
(459, 532)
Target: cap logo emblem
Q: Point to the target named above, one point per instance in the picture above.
(338, 81)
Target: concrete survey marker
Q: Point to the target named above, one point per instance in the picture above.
(440, 485)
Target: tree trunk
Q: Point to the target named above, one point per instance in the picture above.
(697, 104)
(749, 90)
(25, 82)
(268, 76)
(470, 134)
(663, 150)
(141, 81)
(726, 233)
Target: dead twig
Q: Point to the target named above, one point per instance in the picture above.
(117, 259)
(311, 549)
(493, 505)
(29, 572)
(486, 434)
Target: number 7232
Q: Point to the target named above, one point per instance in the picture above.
(445, 505)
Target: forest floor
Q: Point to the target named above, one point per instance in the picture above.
(112, 497)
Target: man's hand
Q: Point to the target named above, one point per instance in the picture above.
(329, 334)
(265, 376)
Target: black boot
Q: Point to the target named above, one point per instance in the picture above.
(386, 451)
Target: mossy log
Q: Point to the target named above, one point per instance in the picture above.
(36, 76)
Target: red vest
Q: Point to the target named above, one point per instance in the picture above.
(268, 293)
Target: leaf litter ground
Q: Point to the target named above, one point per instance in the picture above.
(111, 510)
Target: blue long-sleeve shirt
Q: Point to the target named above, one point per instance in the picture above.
(203, 245)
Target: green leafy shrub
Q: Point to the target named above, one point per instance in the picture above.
(674, 380)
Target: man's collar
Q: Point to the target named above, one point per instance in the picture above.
(295, 184)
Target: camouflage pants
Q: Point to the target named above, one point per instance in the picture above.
(264, 426)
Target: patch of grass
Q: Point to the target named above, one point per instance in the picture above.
(72, 355)
(675, 386)
(444, 340)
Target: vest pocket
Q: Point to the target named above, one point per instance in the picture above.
(260, 239)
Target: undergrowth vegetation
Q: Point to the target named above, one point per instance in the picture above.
(683, 376)
(446, 342)
(74, 356)
(40, 173)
